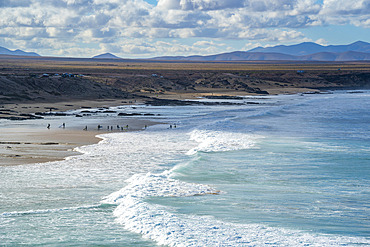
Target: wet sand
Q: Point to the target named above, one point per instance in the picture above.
(30, 141)
(26, 146)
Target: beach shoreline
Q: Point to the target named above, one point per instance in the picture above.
(29, 141)
(24, 142)
(23, 147)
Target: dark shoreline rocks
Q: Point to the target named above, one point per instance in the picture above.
(171, 102)
(20, 116)
(129, 114)
(224, 97)
(136, 114)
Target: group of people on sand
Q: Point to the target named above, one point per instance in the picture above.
(62, 126)
(111, 127)
(99, 127)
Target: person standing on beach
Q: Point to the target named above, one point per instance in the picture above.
(48, 127)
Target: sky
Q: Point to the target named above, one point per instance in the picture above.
(150, 28)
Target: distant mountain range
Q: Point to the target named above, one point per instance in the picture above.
(107, 55)
(308, 51)
(4, 51)
(308, 48)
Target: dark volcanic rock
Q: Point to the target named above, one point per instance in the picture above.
(129, 114)
(224, 97)
(160, 102)
(31, 116)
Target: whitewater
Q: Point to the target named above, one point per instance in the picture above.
(286, 170)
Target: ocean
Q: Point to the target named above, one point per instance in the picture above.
(285, 170)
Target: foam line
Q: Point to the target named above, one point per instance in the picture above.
(46, 211)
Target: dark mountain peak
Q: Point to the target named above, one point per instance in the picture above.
(5, 51)
(360, 43)
(360, 46)
(307, 44)
(106, 55)
(300, 49)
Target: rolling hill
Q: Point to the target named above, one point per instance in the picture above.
(107, 55)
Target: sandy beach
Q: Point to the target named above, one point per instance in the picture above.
(22, 145)
(30, 141)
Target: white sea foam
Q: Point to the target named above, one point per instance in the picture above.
(159, 223)
(133, 150)
(180, 230)
(217, 141)
(159, 185)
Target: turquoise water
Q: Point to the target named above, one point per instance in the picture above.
(290, 171)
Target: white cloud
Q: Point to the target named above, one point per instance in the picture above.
(341, 12)
(207, 43)
(250, 46)
(321, 41)
(345, 7)
(169, 4)
(275, 35)
(362, 22)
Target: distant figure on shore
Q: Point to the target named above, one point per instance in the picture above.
(64, 125)
(48, 126)
(99, 127)
(117, 126)
(85, 128)
(170, 126)
(145, 126)
(111, 128)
